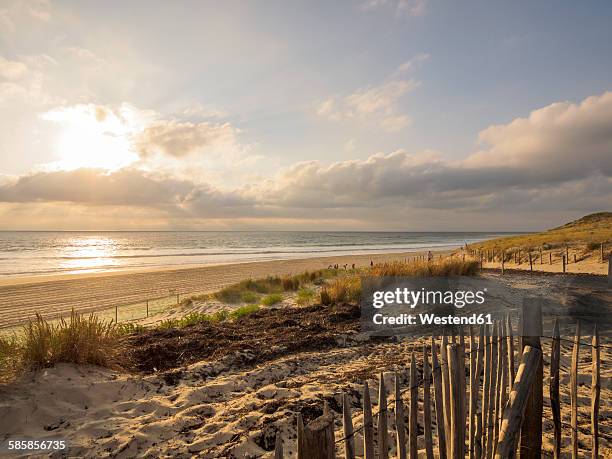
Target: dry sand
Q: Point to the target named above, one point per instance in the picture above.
(215, 409)
(56, 296)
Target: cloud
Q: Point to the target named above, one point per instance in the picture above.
(125, 187)
(562, 141)
(12, 70)
(558, 159)
(401, 7)
(376, 104)
(411, 64)
(179, 139)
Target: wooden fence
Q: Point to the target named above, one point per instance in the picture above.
(481, 405)
(534, 257)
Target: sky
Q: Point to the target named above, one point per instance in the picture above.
(416, 115)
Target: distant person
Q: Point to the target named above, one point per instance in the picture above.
(429, 255)
(353, 266)
(371, 263)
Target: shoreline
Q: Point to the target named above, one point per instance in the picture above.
(43, 278)
(85, 293)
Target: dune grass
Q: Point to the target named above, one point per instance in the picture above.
(305, 296)
(438, 268)
(272, 299)
(248, 291)
(589, 231)
(79, 339)
(347, 289)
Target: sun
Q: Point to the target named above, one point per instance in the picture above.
(93, 137)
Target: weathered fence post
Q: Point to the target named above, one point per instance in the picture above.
(116, 314)
(147, 309)
(564, 262)
(316, 440)
(492, 392)
(531, 330)
(457, 430)
(550, 258)
(530, 263)
(437, 380)
(427, 405)
(368, 424)
(486, 389)
(555, 403)
(347, 423)
(510, 346)
(503, 376)
(400, 425)
(595, 389)
(479, 367)
(383, 433)
(414, 407)
(517, 403)
(503, 262)
(574, 391)
(541, 255)
(445, 391)
(278, 447)
(473, 395)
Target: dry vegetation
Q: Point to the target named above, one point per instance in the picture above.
(91, 340)
(588, 232)
(79, 339)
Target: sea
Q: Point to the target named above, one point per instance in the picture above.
(34, 253)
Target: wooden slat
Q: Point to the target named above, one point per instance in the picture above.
(414, 407)
(531, 330)
(400, 424)
(278, 447)
(383, 433)
(454, 368)
(574, 391)
(510, 348)
(595, 390)
(347, 423)
(492, 392)
(445, 391)
(473, 395)
(437, 380)
(368, 424)
(486, 389)
(427, 405)
(517, 403)
(555, 403)
(478, 417)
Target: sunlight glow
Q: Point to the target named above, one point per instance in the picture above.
(95, 137)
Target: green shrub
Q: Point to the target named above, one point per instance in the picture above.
(244, 311)
(305, 296)
(249, 297)
(272, 299)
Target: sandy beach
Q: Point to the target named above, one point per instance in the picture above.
(232, 403)
(53, 296)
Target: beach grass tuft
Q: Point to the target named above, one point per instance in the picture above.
(272, 299)
(438, 268)
(80, 339)
(305, 296)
